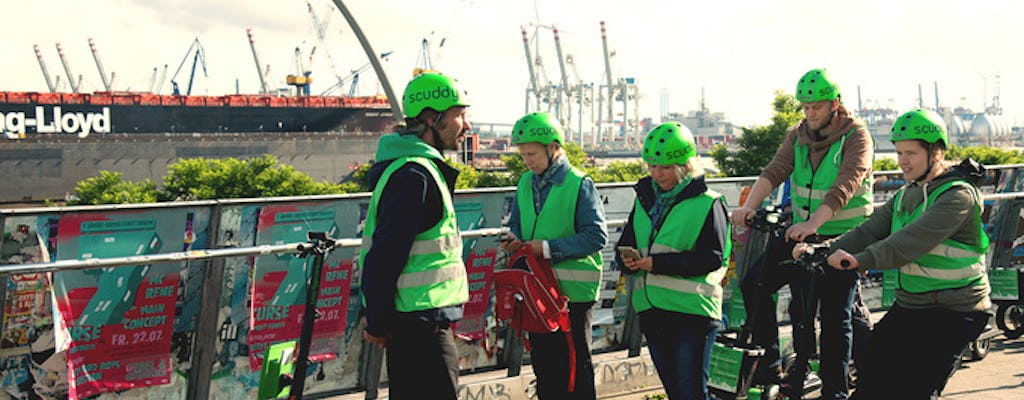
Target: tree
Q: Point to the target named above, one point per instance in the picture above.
(759, 143)
(109, 188)
(885, 164)
(985, 155)
(202, 178)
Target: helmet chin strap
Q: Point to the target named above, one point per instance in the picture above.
(433, 129)
(926, 170)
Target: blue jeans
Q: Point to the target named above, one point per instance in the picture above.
(680, 346)
(836, 293)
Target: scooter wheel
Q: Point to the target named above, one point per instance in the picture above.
(980, 349)
(772, 392)
(1010, 318)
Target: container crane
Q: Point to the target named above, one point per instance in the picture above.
(99, 65)
(264, 88)
(67, 70)
(46, 72)
(198, 58)
(321, 35)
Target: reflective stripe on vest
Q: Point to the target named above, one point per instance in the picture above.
(810, 186)
(434, 275)
(580, 278)
(950, 264)
(421, 247)
(700, 295)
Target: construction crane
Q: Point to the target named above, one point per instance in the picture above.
(198, 58)
(301, 79)
(46, 72)
(107, 83)
(67, 70)
(321, 35)
(264, 88)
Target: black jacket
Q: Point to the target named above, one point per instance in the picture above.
(709, 249)
(409, 204)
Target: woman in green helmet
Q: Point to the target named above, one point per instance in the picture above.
(680, 230)
(931, 233)
(547, 195)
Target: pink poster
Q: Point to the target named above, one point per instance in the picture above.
(279, 286)
(479, 272)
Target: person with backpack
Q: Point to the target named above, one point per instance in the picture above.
(930, 232)
(559, 213)
(680, 229)
(414, 279)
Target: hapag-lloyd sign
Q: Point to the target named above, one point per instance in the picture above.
(51, 119)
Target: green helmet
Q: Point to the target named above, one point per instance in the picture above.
(538, 127)
(669, 143)
(815, 86)
(920, 124)
(431, 90)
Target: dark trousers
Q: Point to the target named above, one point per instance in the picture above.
(912, 352)
(549, 355)
(835, 292)
(680, 346)
(422, 361)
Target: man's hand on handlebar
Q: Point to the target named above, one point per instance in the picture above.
(801, 231)
(741, 216)
(842, 260)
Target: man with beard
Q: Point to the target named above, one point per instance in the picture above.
(414, 280)
(828, 158)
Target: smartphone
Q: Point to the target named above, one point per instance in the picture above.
(628, 252)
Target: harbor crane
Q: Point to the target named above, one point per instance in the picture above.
(46, 72)
(264, 87)
(321, 35)
(107, 83)
(67, 70)
(353, 78)
(301, 78)
(424, 62)
(198, 57)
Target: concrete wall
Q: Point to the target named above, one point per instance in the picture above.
(37, 169)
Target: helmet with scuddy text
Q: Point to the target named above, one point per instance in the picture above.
(920, 124)
(434, 91)
(815, 85)
(669, 143)
(538, 127)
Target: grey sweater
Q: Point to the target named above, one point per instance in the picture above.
(951, 216)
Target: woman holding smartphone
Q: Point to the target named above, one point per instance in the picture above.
(680, 230)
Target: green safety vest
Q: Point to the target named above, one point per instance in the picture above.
(950, 264)
(434, 276)
(699, 295)
(809, 186)
(579, 278)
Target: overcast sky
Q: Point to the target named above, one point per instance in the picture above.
(738, 51)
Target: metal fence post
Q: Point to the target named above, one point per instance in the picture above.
(204, 344)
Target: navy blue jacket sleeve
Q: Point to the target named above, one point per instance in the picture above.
(399, 219)
(707, 253)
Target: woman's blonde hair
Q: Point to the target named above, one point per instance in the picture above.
(692, 168)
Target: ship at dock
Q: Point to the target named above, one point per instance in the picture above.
(26, 114)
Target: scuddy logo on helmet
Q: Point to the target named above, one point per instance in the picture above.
(437, 93)
(542, 131)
